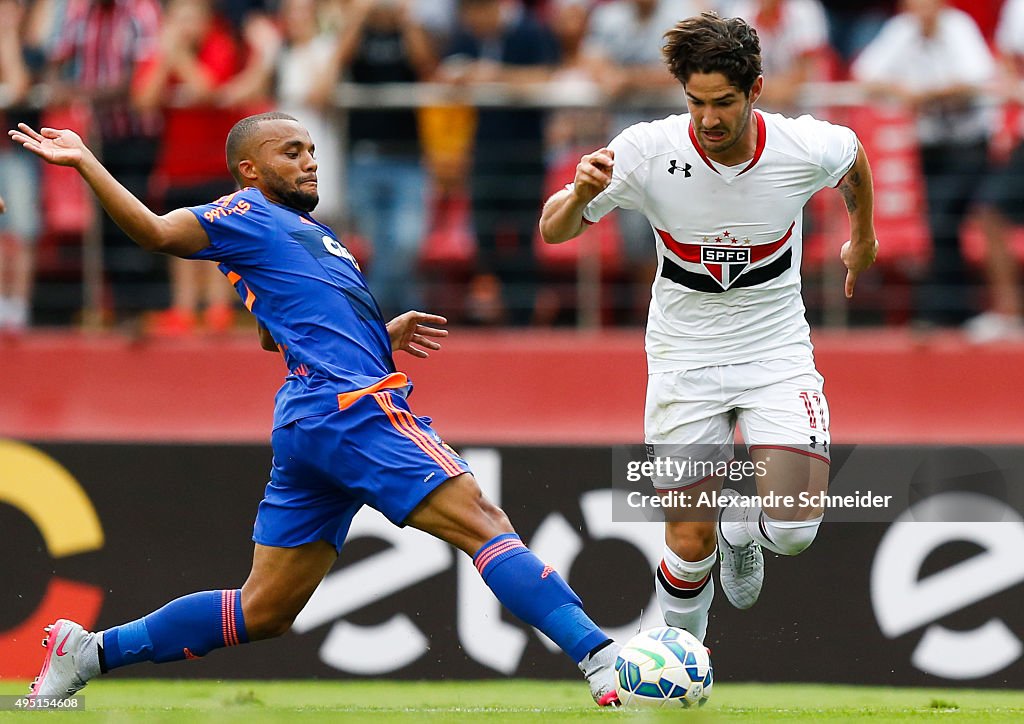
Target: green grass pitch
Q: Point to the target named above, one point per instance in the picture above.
(255, 702)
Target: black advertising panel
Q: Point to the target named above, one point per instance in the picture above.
(896, 594)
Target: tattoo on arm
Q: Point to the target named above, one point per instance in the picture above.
(848, 190)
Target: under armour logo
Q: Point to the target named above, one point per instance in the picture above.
(548, 570)
(674, 166)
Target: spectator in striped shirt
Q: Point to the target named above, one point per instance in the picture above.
(19, 228)
(98, 46)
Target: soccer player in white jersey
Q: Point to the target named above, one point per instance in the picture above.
(724, 187)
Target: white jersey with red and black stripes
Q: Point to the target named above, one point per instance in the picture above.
(729, 239)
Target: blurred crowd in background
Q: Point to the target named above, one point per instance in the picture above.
(440, 201)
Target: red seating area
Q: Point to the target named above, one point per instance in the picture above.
(886, 132)
(449, 248)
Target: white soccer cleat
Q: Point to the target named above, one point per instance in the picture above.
(65, 643)
(601, 675)
(741, 567)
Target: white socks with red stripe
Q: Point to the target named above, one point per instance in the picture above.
(685, 590)
(785, 537)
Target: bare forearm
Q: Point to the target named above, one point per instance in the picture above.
(109, 93)
(252, 84)
(150, 93)
(649, 77)
(195, 80)
(858, 193)
(524, 75)
(562, 218)
(421, 50)
(784, 90)
(148, 230)
(960, 92)
(888, 90)
(13, 72)
(349, 38)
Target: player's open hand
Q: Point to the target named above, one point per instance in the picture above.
(409, 333)
(857, 258)
(62, 148)
(593, 174)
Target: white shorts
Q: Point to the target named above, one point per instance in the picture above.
(776, 403)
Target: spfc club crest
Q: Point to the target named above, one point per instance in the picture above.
(725, 263)
(725, 257)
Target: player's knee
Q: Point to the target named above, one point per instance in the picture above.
(266, 618)
(268, 624)
(791, 536)
(480, 517)
(459, 513)
(691, 541)
(497, 521)
(485, 521)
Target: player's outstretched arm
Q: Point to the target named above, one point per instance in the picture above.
(409, 333)
(562, 218)
(860, 251)
(178, 233)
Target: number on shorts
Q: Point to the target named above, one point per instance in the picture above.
(815, 411)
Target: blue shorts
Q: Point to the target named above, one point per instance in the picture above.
(374, 452)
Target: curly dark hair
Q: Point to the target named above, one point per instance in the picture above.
(707, 43)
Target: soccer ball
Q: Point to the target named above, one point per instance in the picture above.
(664, 667)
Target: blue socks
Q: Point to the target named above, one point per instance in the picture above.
(194, 625)
(537, 595)
(186, 628)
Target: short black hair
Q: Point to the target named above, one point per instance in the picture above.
(242, 133)
(707, 43)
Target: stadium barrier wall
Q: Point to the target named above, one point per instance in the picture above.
(106, 532)
(498, 387)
